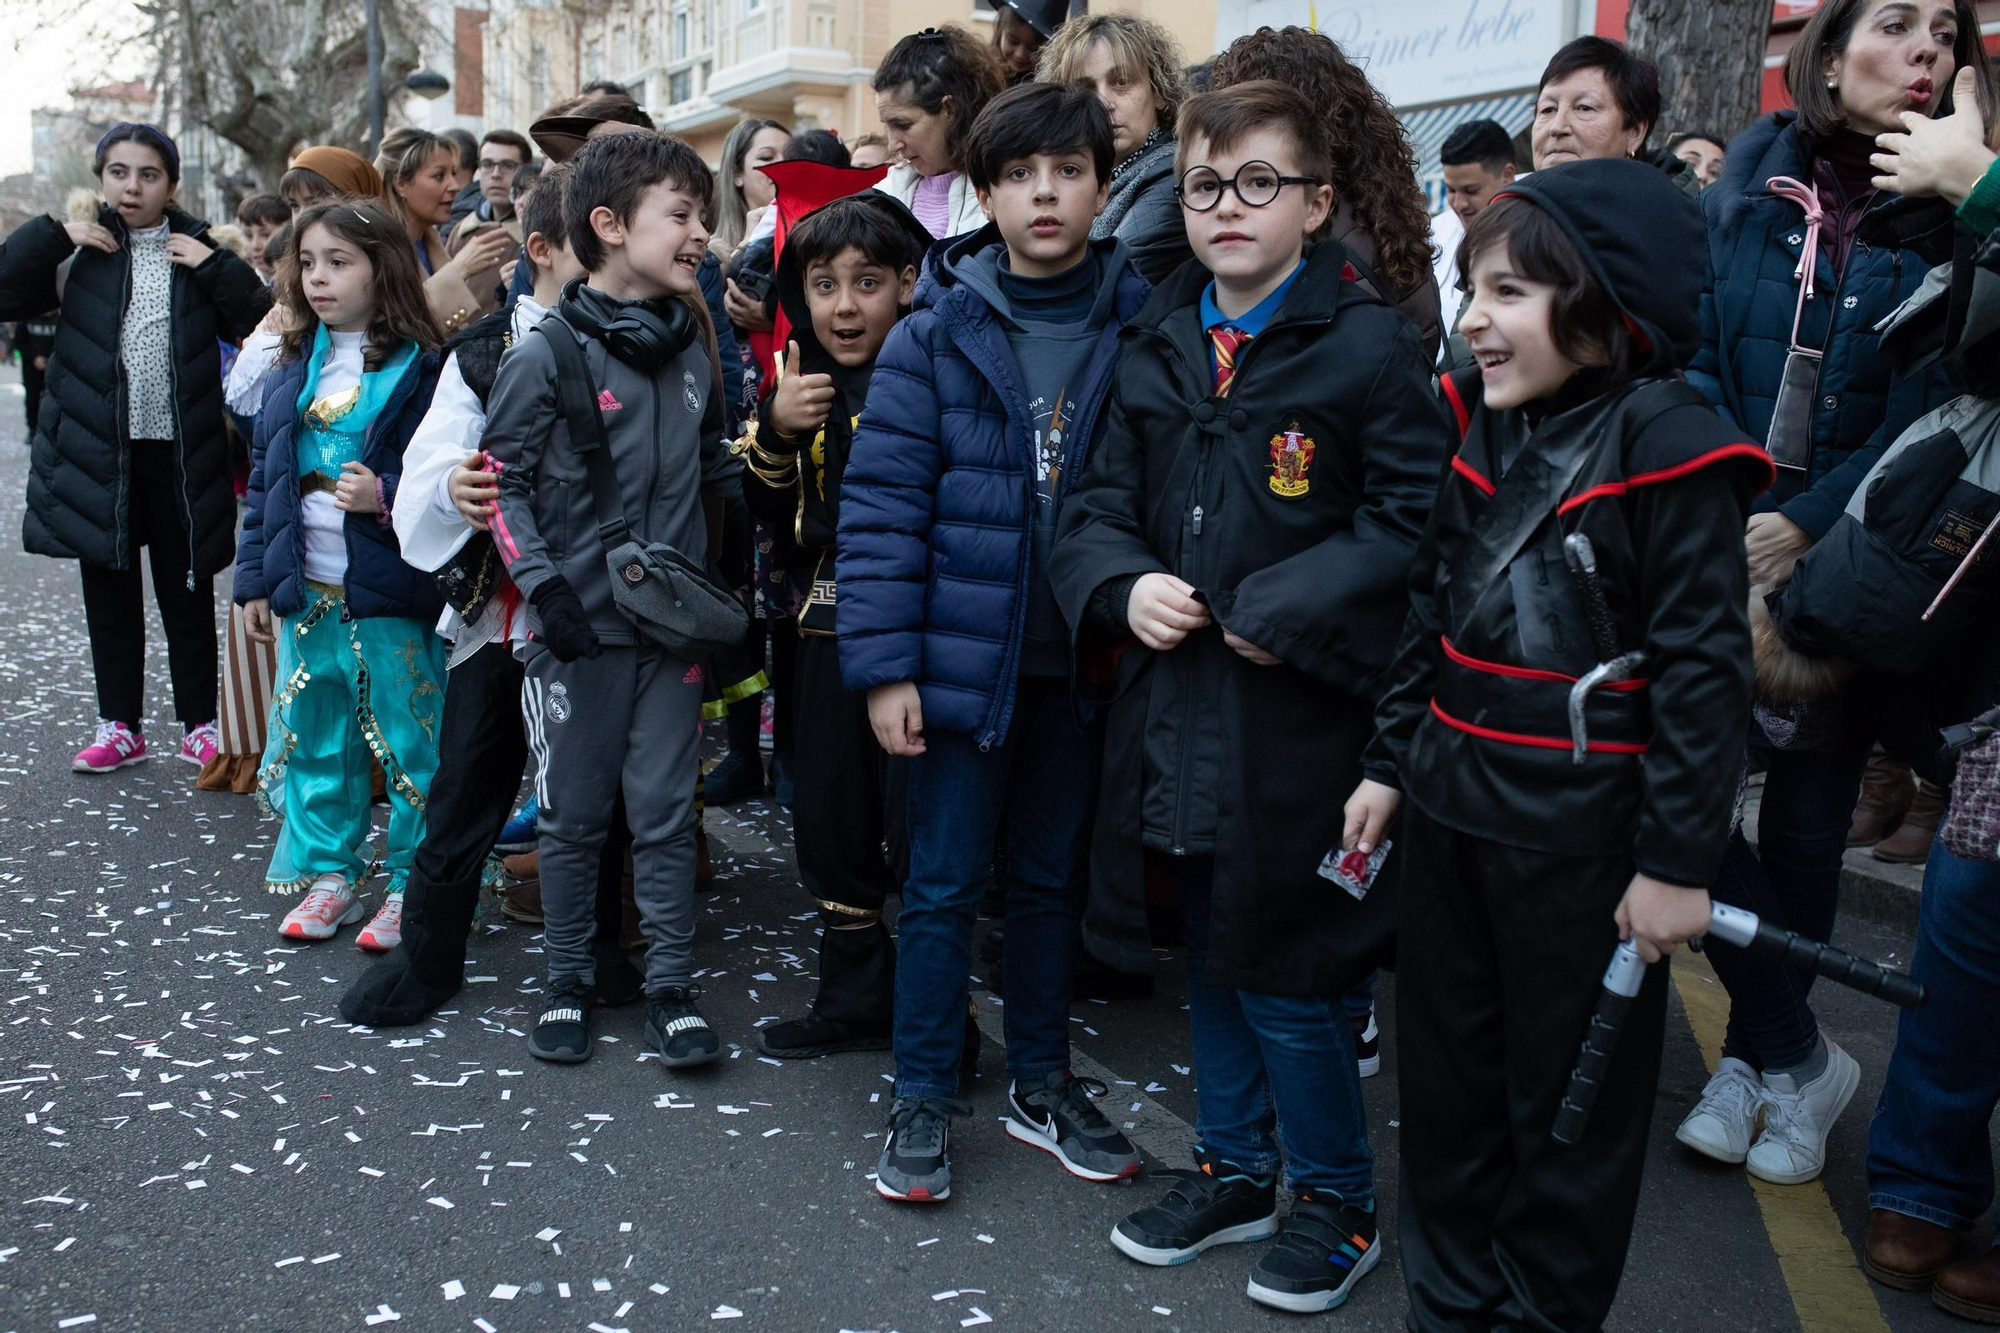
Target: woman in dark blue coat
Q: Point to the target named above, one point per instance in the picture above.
(1807, 378)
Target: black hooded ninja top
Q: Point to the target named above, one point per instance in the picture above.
(1474, 727)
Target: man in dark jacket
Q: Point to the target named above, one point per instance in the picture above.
(36, 341)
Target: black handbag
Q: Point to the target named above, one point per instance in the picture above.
(667, 596)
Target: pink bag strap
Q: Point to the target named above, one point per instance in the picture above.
(1807, 198)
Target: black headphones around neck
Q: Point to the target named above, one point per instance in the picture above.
(643, 334)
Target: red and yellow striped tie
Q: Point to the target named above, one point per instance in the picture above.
(1228, 340)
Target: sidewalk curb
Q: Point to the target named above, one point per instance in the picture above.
(1875, 890)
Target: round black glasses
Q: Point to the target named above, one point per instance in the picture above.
(1256, 184)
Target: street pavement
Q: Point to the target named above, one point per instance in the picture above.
(191, 1138)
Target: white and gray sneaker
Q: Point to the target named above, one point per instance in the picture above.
(1724, 1121)
(1797, 1119)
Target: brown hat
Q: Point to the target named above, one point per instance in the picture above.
(561, 136)
(348, 172)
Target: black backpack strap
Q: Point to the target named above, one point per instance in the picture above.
(577, 395)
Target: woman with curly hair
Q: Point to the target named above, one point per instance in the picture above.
(1379, 217)
(1135, 66)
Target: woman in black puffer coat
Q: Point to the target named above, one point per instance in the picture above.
(130, 450)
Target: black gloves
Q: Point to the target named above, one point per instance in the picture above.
(565, 625)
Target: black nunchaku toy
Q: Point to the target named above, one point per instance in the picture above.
(1612, 665)
(1745, 930)
(1732, 924)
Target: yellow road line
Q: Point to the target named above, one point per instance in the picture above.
(1828, 1291)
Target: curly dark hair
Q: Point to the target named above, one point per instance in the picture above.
(1374, 169)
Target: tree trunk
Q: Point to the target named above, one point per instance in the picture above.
(1711, 58)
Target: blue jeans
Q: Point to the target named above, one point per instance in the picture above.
(1793, 882)
(1033, 794)
(1929, 1154)
(1271, 1069)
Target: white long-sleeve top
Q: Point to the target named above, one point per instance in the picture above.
(243, 390)
(428, 526)
(323, 522)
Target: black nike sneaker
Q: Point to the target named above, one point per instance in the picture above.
(677, 1030)
(562, 1030)
(1326, 1248)
(1056, 1115)
(1217, 1203)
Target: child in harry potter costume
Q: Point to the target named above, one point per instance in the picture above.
(1524, 869)
(1241, 542)
(844, 279)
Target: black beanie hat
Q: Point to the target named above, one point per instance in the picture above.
(1642, 238)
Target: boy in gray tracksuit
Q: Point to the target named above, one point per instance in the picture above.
(601, 704)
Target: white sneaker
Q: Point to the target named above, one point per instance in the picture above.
(1792, 1148)
(330, 904)
(385, 932)
(1723, 1121)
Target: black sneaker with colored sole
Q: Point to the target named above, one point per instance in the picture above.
(1214, 1204)
(1325, 1249)
(1056, 1115)
(677, 1030)
(562, 1030)
(916, 1153)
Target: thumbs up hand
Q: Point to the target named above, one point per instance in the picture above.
(1943, 157)
(800, 403)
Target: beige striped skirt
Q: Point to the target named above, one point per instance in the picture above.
(245, 714)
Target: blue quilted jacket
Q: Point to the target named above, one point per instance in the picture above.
(270, 559)
(1754, 240)
(937, 505)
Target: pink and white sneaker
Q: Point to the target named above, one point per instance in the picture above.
(385, 932)
(329, 905)
(198, 744)
(117, 746)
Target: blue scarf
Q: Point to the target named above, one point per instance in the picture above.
(326, 444)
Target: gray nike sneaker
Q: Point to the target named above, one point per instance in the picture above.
(1055, 1114)
(916, 1157)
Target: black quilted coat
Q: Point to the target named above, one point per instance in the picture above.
(78, 482)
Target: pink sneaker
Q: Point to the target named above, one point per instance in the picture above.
(330, 905)
(116, 746)
(385, 932)
(198, 745)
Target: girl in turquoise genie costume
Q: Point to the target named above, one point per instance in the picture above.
(360, 674)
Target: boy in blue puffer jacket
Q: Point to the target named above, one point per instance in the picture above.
(983, 408)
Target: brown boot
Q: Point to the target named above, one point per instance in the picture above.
(1905, 1252)
(523, 899)
(1970, 1288)
(1886, 791)
(1911, 843)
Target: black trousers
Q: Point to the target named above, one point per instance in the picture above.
(32, 383)
(1501, 958)
(837, 831)
(114, 606)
